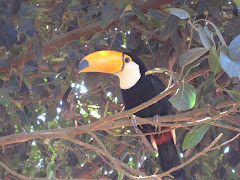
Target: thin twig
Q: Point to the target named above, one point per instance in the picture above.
(223, 144)
(227, 127)
(171, 64)
(105, 110)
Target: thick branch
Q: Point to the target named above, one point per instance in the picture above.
(70, 132)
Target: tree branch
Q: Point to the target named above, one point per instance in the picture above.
(70, 132)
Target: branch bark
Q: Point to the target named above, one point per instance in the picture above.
(70, 132)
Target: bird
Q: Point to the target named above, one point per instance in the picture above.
(137, 88)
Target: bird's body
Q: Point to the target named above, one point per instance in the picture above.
(147, 87)
(138, 88)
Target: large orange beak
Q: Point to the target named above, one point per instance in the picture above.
(102, 61)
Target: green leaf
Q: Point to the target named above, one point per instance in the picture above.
(157, 70)
(184, 98)
(25, 25)
(237, 2)
(38, 47)
(50, 169)
(130, 163)
(234, 49)
(139, 13)
(157, 15)
(4, 96)
(195, 136)
(128, 8)
(108, 15)
(51, 112)
(124, 22)
(34, 154)
(208, 87)
(199, 95)
(216, 101)
(204, 38)
(170, 27)
(60, 77)
(229, 66)
(182, 14)
(217, 31)
(123, 154)
(191, 55)
(209, 34)
(163, 70)
(190, 11)
(120, 175)
(4, 76)
(214, 61)
(108, 18)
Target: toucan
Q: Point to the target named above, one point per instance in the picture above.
(138, 88)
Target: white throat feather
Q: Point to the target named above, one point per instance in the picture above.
(129, 76)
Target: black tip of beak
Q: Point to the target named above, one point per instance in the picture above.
(83, 64)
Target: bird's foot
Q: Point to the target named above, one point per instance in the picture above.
(156, 119)
(143, 138)
(134, 122)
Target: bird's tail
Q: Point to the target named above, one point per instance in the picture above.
(168, 155)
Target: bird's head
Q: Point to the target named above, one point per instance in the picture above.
(127, 66)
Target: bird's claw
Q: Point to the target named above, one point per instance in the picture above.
(134, 122)
(155, 119)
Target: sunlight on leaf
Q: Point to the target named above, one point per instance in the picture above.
(229, 66)
(182, 14)
(185, 97)
(234, 49)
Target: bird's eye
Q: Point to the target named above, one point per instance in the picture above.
(127, 59)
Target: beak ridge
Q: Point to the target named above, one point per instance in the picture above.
(107, 61)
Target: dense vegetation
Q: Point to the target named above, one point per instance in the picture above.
(195, 43)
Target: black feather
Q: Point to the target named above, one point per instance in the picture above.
(145, 89)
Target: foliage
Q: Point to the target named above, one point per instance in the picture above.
(197, 42)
